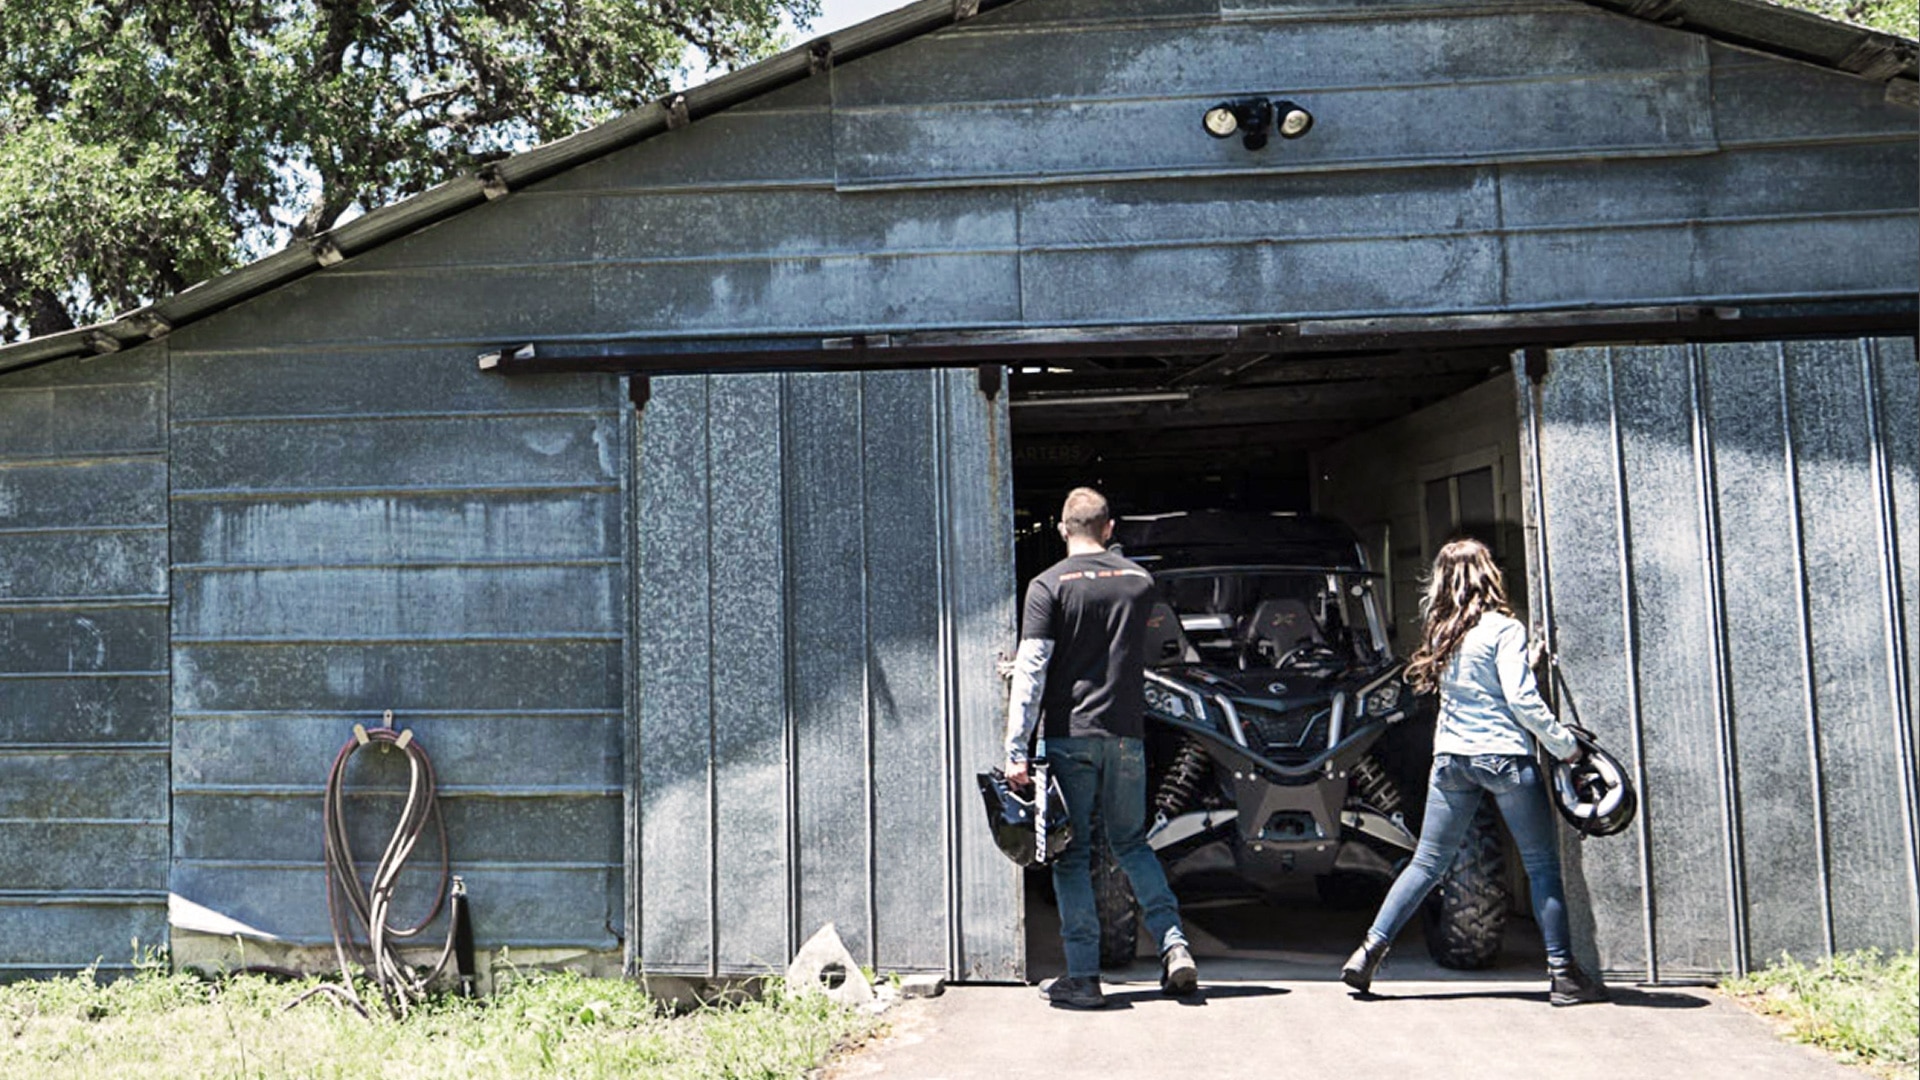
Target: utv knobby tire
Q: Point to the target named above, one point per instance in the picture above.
(1466, 915)
(1113, 898)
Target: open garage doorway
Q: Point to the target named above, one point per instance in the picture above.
(1307, 493)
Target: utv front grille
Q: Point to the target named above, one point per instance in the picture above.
(1287, 737)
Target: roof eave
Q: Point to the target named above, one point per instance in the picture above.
(1787, 32)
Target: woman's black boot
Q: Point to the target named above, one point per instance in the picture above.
(1358, 971)
(1573, 986)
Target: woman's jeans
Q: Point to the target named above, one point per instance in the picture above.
(1110, 774)
(1453, 794)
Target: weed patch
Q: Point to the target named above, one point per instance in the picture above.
(166, 1026)
(1862, 1006)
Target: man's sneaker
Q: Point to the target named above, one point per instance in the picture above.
(1076, 992)
(1573, 986)
(1178, 975)
(1359, 969)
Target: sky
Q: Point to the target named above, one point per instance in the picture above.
(834, 15)
(839, 14)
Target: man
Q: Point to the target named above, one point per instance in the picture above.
(1081, 674)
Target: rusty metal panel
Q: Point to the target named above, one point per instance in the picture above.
(989, 936)
(33, 923)
(662, 227)
(252, 382)
(574, 450)
(353, 678)
(1199, 55)
(901, 445)
(839, 602)
(752, 787)
(1778, 790)
(84, 806)
(673, 629)
(1760, 99)
(1305, 208)
(707, 155)
(1584, 537)
(1868, 804)
(827, 630)
(1042, 160)
(801, 293)
(944, 108)
(579, 747)
(1728, 603)
(539, 904)
(1896, 430)
(1850, 178)
(568, 527)
(358, 532)
(1084, 12)
(1710, 261)
(1261, 279)
(1668, 554)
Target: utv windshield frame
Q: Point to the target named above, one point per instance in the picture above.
(1342, 581)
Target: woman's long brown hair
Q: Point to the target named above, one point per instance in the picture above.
(1464, 585)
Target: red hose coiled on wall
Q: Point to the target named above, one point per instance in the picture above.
(362, 911)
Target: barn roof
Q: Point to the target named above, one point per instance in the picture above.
(1753, 24)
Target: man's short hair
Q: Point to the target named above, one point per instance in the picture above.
(1085, 514)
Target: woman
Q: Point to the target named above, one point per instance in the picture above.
(1475, 655)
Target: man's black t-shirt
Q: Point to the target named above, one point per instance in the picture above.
(1094, 609)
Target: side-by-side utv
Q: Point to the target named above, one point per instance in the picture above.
(1282, 741)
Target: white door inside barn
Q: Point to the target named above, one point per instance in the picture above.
(1724, 538)
(822, 578)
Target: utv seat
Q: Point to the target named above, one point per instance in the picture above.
(1279, 626)
(1166, 643)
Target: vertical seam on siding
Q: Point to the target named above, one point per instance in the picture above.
(1530, 398)
(1020, 254)
(943, 443)
(1894, 635)
(1500, 231)
(630, 681)
(1792, 466)
(1706, 477)
(166, 481)
(713, 786)
(790, 728)
(871, 862)
(1630, 643)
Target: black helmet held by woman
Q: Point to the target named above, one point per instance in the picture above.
(1593, 792)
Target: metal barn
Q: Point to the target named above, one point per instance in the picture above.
(694, 584)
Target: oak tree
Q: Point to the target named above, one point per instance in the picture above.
(149, 144)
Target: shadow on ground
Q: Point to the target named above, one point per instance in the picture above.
(1292, 938)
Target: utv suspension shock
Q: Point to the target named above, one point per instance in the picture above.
(1373, 786)
(1185, 782)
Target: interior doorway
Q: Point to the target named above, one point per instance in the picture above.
(1408, 448)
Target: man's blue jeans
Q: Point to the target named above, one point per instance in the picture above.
(1453, 794)
(1110, 774)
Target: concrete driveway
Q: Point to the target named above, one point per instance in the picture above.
(1262, 1028)
(1272, 1007)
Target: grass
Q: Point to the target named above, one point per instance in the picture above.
(1862, 1006)
(165, 1026)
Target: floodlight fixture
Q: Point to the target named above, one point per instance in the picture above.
(1255, 118)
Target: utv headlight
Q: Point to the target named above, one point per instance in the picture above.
(1382, 698)
(1162, 700)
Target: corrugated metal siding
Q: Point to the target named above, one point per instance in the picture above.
(362, 521)
(357, 530)
(824, 567)
(83, 663)
(1471, 157)
(1730, 557)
